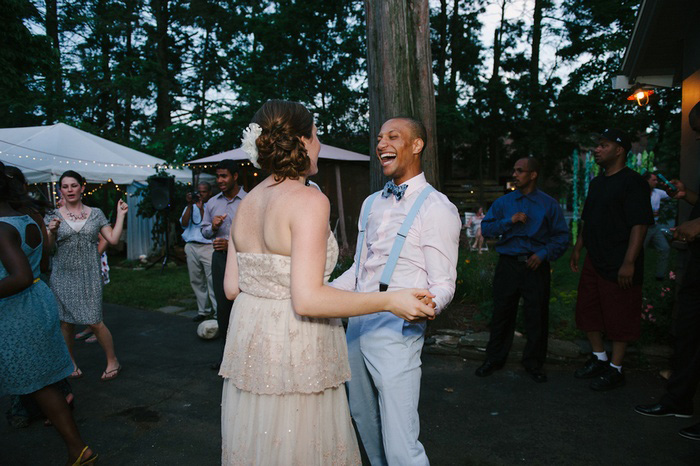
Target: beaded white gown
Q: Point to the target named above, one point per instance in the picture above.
(284, 400)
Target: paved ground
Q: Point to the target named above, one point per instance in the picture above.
(164, 409)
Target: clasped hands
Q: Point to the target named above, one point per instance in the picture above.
(413, 305)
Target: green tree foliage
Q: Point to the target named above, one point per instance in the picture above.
(181, 78)
(23, 55)
(456, 51)
(598, 33)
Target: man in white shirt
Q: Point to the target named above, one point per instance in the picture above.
(384, 350)
(199, 250)
(655, 236)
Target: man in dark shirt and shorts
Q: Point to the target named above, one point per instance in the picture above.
(616, 216)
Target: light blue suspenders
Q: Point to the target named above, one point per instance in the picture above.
(398, 242)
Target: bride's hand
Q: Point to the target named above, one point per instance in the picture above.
(410, 305)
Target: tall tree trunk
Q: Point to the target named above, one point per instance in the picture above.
(442, 51)
(454, 47)
(104, 99)
(400, 74)
(130, 56)
(54, 85)
(448, 97)
(498, 44)
(163, 83)
(537, 108)
(536, 39)
(204, 84)
(494, 84)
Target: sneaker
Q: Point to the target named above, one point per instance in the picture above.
(199, 318)
(611, 379)
(593, 368)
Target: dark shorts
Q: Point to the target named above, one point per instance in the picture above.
(602, 306)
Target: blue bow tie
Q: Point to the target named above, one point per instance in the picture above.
(391, 188)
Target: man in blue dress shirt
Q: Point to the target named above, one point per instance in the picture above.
(533, 232)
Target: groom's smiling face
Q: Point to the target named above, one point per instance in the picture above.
(398, 150)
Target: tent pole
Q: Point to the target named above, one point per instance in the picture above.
(341, 210)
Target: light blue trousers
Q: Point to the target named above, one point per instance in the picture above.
(384, 387)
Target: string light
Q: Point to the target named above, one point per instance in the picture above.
(80, 162)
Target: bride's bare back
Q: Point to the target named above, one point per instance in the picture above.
(263, 220)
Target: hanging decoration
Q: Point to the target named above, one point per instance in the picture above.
(574, 182)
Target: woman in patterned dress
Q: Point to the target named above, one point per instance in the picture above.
(33, 357)
(76, 278)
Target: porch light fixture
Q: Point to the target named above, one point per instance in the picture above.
(641, 96)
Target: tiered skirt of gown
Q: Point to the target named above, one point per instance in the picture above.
(284, 399)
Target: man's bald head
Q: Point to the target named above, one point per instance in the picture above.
(417, 128)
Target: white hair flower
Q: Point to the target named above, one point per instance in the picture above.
(250, 135)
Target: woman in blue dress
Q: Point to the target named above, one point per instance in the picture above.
(33, 354)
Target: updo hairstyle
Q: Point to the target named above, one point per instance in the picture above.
(71, 174)
(281, 151)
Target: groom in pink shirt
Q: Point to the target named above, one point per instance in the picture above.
(409, 238)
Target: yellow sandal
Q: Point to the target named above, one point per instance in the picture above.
(90, 460)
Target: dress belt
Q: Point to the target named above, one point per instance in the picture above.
(518, 257)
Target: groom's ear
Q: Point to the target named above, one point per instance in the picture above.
(418, 145)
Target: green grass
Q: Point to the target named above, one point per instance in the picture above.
(475, 281)
(148, 289)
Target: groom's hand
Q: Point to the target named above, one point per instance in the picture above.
(412, 305)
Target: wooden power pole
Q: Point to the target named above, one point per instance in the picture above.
(400, 75)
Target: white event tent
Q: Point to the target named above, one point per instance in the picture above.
(43, 153)
(327, 152)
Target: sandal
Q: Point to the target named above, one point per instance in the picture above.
(84, 334)
(89, 460)
(107, 376)
(76, 374)
(91, 339)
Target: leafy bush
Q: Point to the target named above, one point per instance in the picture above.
(475, 286)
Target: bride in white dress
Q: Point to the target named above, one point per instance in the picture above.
(285, 361)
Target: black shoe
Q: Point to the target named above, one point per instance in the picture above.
(593, 368)
(216, 366)
(537, 375)
(199, 318)
(662, 410)
(692, 432)
(611, 378)
(487, 368)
